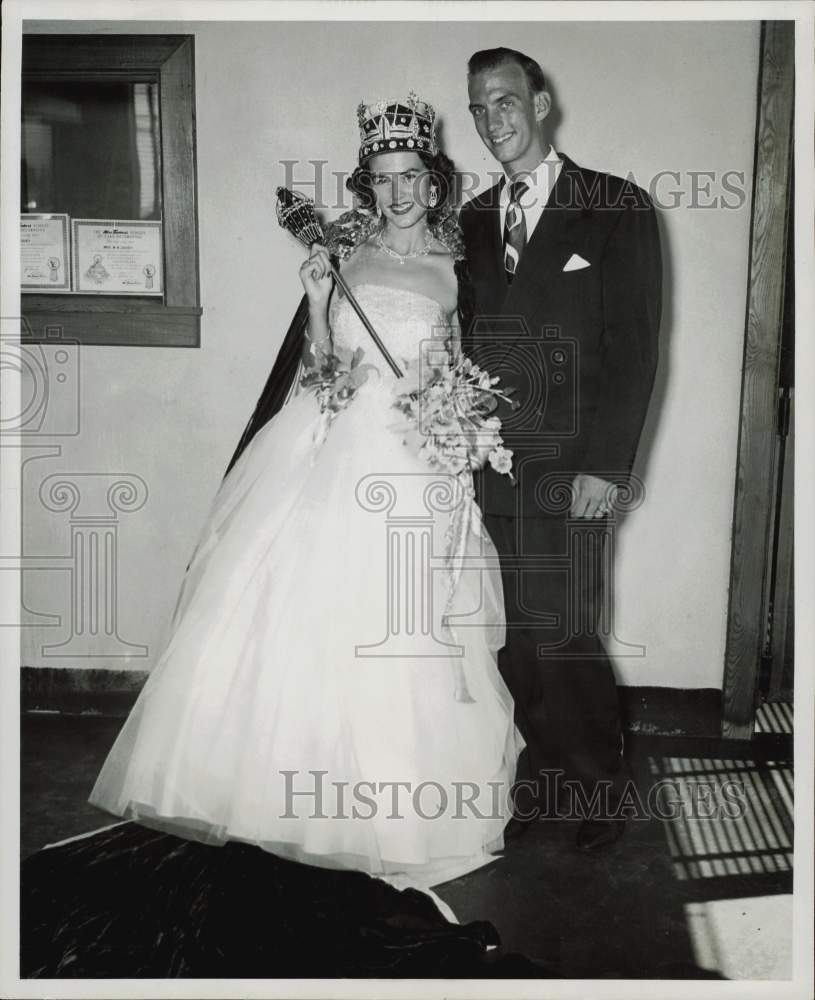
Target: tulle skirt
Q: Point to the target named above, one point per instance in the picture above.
(329, 690)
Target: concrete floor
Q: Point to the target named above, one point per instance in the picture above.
(706, 897)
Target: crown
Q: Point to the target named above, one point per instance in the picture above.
(389, 125)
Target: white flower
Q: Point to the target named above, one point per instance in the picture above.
(501, 460)
(454, 462)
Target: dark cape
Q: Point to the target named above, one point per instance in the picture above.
(279, 382)
(128, 902)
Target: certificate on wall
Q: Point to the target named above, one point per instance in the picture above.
(114, 257)
(45, 264)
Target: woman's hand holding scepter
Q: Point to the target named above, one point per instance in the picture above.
(317, 276)
(296, 214)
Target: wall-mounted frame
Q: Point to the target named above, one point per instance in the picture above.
(172, 320)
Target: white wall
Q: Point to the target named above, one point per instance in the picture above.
(641, 97)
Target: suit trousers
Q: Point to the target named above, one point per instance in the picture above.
(554, 662)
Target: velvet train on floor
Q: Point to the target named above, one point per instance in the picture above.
(128, 902)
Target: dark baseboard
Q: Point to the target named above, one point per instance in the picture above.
(647, 711)
(668, 711)
(80, 691)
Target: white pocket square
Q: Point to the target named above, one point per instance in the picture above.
(575, 263)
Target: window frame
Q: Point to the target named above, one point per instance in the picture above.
(175, 319)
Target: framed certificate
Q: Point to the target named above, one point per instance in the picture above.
(114, 257)
(45, 264)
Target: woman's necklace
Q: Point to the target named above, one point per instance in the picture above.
(402, 257)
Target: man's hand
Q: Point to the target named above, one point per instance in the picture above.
(592, 496)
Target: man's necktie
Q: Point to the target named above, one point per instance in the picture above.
(514, 229)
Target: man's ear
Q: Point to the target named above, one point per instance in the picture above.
(543, 105)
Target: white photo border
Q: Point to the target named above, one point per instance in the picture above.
(14, 13)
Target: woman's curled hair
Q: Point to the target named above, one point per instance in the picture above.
(442, 172)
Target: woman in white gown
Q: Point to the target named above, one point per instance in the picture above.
(329, 691)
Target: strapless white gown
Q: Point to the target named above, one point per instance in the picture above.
(321, 650)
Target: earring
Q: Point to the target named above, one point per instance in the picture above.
(434, 197)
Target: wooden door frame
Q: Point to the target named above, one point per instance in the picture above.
(754, 492)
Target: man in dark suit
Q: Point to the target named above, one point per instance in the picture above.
(566, 271)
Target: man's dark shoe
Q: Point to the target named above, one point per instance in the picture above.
(595, 834)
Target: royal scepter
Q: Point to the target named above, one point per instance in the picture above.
(296, 214)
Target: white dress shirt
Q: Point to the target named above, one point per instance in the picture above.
(540, 181)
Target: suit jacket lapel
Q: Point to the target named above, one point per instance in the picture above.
(490, 253)
(541, 259)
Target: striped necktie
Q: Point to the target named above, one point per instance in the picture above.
(514, 229)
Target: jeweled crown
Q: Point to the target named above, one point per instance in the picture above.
(393, 125)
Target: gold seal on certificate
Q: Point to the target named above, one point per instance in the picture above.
(115, 257)
(44, 259)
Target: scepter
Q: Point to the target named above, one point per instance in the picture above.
(296, 214)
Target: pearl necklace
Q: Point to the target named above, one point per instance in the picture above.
(402, 257)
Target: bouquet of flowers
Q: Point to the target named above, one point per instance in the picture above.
(450, 416)
(334, 379)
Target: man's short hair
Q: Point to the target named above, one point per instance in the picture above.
(490, 58)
